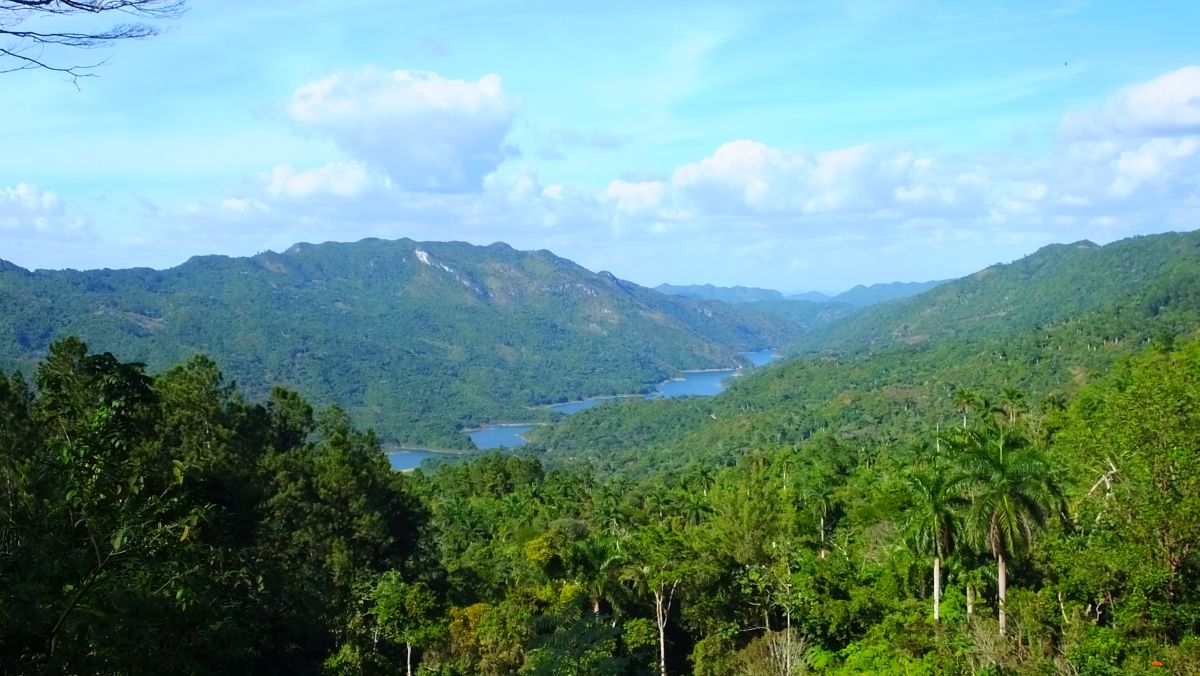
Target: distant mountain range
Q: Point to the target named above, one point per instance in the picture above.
(416, 339)
(859, 296)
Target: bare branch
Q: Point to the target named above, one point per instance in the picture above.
(15, 55)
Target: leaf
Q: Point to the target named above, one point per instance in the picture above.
(118, 539)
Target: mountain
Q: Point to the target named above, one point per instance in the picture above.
(815, 296)
(806, 314)
(1026, 334)
(865, 296)
(726, 294)
(414, 339)
(1133, 278)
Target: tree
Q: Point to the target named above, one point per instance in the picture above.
(936, 497)
(1011, 493)
(27, 41)
(408, 613)
(658, 562)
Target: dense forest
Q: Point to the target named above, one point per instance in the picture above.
(1016, 496)
(417, 340)
(168, 523)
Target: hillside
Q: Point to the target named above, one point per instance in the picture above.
(1035, 331)
(866, 296)
(726, 294)
(413, 339)
(1140, 276)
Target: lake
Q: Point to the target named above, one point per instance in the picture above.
(689, 384)
(499, 436)
(693, 384)
(407, 458)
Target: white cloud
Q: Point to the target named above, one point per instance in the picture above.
(28, 201)
(752, 177)
(338, 179)
(1154, 160)
(242, 206)
(635, 197)
(1168, 105)
(428, 133)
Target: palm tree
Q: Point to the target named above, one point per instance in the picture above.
(937, 499)
(964, 401)
(1011, 493)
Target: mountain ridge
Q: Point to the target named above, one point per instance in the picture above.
(416, 339)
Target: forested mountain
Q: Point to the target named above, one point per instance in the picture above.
(1041, 328)
(859, 296)
(726, 294)
(806, 314)
(413, 339)
(1131, 282)
(866, 296)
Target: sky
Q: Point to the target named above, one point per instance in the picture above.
(786, 145)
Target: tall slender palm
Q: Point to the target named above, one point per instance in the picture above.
(964, 401)
(937, 500)
(1011, 494)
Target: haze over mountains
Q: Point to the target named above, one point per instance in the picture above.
(861, 295)
(414, 339)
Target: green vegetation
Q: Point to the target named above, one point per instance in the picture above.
(1046, 325)
(416, 340)
(1000, 497)
(166, 523)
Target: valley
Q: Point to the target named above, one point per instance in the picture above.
(788, 502)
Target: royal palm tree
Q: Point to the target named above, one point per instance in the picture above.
(937, 500)
(1011, 494)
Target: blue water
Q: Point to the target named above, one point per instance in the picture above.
(693, 384)
(576, 406)
(409, 459)
(690, 384)
(506, 436)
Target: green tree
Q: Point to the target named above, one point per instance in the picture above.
(406, 612)
(936, 498)
(1011, 491)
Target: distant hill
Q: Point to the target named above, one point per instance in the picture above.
(815, 296)
(806, 314)
(414, 339)
(726, 294)
(865, 296)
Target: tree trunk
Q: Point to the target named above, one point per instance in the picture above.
(970, 599)
(1002, 580)
(663, 596)
(937, 587)
(662, 632)
(408, 657)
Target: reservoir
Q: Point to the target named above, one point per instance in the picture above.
(407, 458)
(693, 384)
(499, 436)
(704, 383)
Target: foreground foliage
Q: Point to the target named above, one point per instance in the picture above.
(166, 523)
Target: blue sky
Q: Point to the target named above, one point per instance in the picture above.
(786, 145)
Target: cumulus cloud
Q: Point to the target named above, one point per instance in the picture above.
(1168, 105)
(338, 179)
(426, 132)
(635, 197)
(28, 201)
